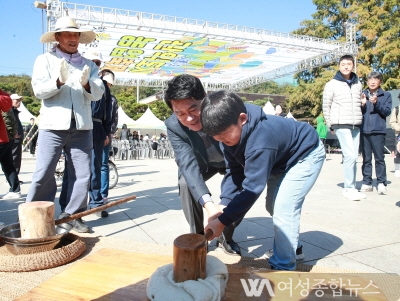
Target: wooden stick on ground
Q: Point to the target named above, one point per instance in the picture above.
(94, 210)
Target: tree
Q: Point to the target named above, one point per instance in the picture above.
(161, 110)
(262, 102)
(269, 87)
(21, 85)
(378, 24)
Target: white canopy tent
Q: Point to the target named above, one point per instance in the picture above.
(25, 116)
(269, 108)
(149, 121)
(290, 115)
(124, 119)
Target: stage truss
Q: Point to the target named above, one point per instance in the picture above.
(146, 49)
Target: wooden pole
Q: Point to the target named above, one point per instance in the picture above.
(36, 219)
(189, 259)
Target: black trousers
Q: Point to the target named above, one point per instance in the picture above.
(373, 144)
(17, 155)
(7, 165)
(194, 211)
(32, 145)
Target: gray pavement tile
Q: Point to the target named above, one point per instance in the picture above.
(250, 230)
(257, 247)
(334, 240)
(134, 211)
(343, 263)
(262, 221)
(384, 258)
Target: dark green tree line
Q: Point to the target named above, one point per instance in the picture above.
(127, 97)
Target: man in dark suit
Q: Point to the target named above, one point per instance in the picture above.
(198, 155)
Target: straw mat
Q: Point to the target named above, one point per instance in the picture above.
(71, 247)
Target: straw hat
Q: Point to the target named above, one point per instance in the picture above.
(68, 24)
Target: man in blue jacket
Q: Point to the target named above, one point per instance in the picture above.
(198, 155)
(284, 154)
(376, 105)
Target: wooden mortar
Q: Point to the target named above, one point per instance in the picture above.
(36, 219)
(189, 257)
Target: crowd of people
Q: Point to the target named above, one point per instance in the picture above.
(210, 134)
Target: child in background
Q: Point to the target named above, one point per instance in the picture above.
(322, 129)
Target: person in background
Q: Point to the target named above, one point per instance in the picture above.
(125, 133)
(376, 106)
(101, 116)
(5, 106)
(7, 164)
(135, 135)
(154, 143)
(395, 125)
(279, 111)
(197, 155)
(6, 159)
(17, 144)
(67, 83)
(341, 106)
(32, 136)
(322, 129)
(259, 150)
(109, 77)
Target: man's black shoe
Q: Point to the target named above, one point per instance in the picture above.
(102, 213)
(80, 226)
(67, 226)
(229, 247)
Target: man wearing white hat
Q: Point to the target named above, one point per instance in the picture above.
(67, 83)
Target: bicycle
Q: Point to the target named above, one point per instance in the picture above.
(112, 170)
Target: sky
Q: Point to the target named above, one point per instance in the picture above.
(22, 24)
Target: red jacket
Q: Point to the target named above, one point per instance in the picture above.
(5, 105)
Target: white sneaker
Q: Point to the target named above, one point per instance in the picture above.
(381, 189)
(299, 254)
(353, 195)
(12, 196)
(105, 200)
(366, 188)
(397, 173)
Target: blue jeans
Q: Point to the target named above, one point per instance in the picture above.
(373, 143)
(285, 197)
(349, 140)
(77, 146)
(105, 176)
(95, 198)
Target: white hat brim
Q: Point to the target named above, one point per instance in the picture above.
(86, 37)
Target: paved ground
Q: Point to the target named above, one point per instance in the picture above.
(335, 232)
